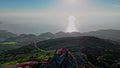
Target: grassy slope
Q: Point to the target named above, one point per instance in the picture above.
(4, 46)
(26, 57)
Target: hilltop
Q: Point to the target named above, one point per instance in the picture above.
(97, 50)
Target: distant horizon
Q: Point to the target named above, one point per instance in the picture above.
(59, 31)
(39, 16)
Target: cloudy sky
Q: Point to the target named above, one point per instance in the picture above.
(38, 16)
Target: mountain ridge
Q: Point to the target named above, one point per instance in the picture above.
(25, 39)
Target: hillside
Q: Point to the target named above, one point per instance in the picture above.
(97, 50)
(105, 34)
(25, 39)
(21, 40)
(5, 34)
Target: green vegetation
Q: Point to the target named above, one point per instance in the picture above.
(8, 43)
(4, 46)
(109, 61)
(99, 52)
(8, 59)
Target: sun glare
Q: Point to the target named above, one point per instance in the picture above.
(71, 25)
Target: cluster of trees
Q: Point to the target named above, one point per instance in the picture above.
(25, 54)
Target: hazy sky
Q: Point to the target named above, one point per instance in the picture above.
(38, 16)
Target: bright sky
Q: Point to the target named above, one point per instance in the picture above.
(38, 16)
